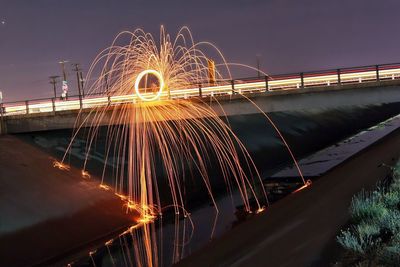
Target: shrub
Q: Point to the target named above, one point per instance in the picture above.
(396, 171)
(390, 256)
(374, 237)
(390, 222)
(391, 199)
(363, 240)
(367, 206)
(350, 242)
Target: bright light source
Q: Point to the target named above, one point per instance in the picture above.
(139, 78)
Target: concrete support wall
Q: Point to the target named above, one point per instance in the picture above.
(310, 98)
(3, 127)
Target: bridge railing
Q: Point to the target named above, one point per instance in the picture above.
(291, 81)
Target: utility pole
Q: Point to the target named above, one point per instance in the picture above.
(64, 82)
(78, 71)
(53, 81)
(82, 83)
(258, 65)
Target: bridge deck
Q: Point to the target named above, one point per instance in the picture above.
(310, 98)
(268, 84)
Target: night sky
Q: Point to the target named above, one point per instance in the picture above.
(289, 35)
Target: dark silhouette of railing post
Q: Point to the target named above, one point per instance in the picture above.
(233, 86)
(109, 100)
(377, 73)
(302, 79)
(53, 102)
(339, 81)
(200, 91)
(27, 107)
(266, 82)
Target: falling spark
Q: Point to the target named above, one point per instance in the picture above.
(85, 174)
(306, 185)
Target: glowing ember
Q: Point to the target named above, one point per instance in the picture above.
(307, 184)
(61, 166)
(105, 187)
(85, 174)
(260, 210)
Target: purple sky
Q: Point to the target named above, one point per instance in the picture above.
(290, 35)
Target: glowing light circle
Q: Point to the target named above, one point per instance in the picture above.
(139, 78)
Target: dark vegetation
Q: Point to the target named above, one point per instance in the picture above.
(373, 236)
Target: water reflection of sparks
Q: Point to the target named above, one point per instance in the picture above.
(142, 244)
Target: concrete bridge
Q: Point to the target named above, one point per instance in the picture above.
(326, 90)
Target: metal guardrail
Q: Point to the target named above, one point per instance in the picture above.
(332, 77)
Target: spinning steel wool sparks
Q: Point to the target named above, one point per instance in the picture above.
(183, 136)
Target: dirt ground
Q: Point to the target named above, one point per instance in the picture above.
(300, 230)
(46, 212)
